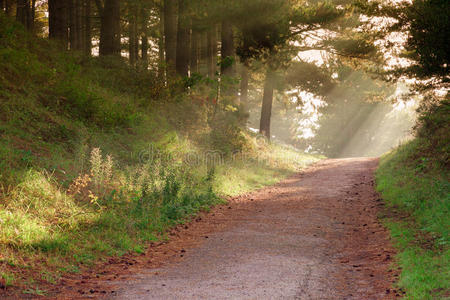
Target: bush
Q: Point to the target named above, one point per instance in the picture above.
(226, 134)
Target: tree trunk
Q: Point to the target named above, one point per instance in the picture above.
(58, 23)
(110, 28)
(195, 37)
(79, 24)
(8, 9)
(144, 49)
(136, 34)
(244, 88)
(170, 33)
(203, 54)
(131, 44)
(33, 15)
(2, 5)
(75, 24)
(212, 51)
(23, 12)
(132, 36)
(72, 24)
(87, 36)
(227, 51)
(227, 84)
(20, 15)
(183, 40)
(266, 111)
(144, 38)
(161, 47)
(82, 23)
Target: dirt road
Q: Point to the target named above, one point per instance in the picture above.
(313, 236)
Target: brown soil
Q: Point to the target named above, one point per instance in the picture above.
(313, 236)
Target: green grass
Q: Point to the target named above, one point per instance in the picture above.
(416, 190)
(271, 164)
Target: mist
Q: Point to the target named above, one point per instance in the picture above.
(341, 124)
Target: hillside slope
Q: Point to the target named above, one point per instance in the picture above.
(414, 181)
(97, 159)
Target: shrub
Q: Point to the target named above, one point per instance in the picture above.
(226, 134)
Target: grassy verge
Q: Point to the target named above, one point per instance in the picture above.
(271, 164)
(416, 190)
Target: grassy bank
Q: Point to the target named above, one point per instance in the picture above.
(415, 186)
(98, 158)
(48, 229)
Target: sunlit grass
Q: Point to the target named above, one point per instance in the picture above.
(237, 178)
(271, 164)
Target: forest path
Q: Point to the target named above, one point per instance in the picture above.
(312, 236)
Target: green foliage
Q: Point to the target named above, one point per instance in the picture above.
(428, 43)
(427, 23)
(433, 127)
(226, 135)
(360, 46)
(262, 37)
(308, 77)
(270, 37)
